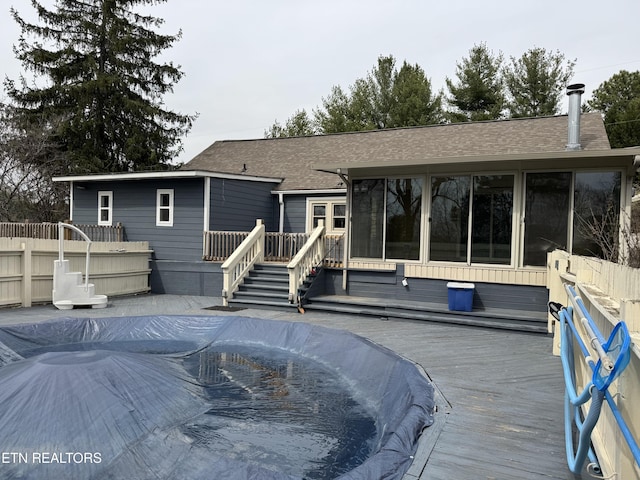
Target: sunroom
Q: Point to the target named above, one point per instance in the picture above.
(488, 218)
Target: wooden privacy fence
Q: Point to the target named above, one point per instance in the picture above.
(278, 247)
(26, 268)
(49, 231)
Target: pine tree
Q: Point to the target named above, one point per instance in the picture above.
(618, 98)
(414, 102)
(479, 92)
(97, 57)
(536, 83)
(386, 98)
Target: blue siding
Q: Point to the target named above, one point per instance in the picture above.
(134, 205)
(295, 213)
(186, 278)
(236, 204)
(376, 284)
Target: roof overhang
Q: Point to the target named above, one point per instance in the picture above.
(320, 191)
(175, 174)
(345, 167)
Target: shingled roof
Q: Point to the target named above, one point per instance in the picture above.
(297, 159)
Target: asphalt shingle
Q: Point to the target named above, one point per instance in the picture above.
(296, 159)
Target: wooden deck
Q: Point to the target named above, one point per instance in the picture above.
(500, 393)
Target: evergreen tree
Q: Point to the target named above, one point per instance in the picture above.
(479, 91)
(536, 83)
(619, 100)
(299, 124)
(414, 103)
(338, 114)
(97, 57)
(385, 98)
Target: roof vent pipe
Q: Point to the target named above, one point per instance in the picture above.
(574, 92)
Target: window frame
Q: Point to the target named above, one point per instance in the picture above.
(423, 220)
(514, 219)
(109, 209)
(159, 207)
(571, 216)
(328, 203)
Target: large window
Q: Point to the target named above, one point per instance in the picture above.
(577, 212)
(105, 208)
(596, 216)
(449, 218)
(485, 235)
(387, 218)
(546, 215)
(492, 219)
(404, 211)
(164, 208)
(367, 234)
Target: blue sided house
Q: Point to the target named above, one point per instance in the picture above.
(409, 211)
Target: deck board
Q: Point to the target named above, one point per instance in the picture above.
(501, 393)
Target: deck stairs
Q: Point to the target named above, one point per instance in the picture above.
(523, 321)
(267, 286)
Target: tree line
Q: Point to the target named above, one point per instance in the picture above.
(485, 87)
(100, 107)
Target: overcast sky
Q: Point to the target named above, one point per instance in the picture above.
(249, 63)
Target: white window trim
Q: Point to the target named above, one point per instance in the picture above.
(328, 223)
(109, 209)
(159, 207)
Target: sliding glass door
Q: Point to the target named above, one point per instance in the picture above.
(472, 219)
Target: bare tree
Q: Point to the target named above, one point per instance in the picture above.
(618, 246)
(29, 158)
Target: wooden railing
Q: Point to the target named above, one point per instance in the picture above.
(238, 265)
(49, 231)
(282, 247)
(279, 247)
(218, 246)
(310, 256)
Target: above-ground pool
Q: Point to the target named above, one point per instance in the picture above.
(168, 397)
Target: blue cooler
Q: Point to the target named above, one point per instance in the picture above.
(460, 296)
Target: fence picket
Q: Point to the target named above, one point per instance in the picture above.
(49, 231)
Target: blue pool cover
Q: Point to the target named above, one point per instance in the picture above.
(166, 397)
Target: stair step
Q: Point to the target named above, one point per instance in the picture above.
(248, 303)
(264, 286)
(267, 278)
(532, 322)
(433, 308)
(258, 294)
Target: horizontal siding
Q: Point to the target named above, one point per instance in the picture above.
(478, 274)
(236, 204)
(134, 205)
(388, 285)
(295, 213)
(186, 278)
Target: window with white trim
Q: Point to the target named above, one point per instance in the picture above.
(331, 210)
(164, 208)
(105, 208)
